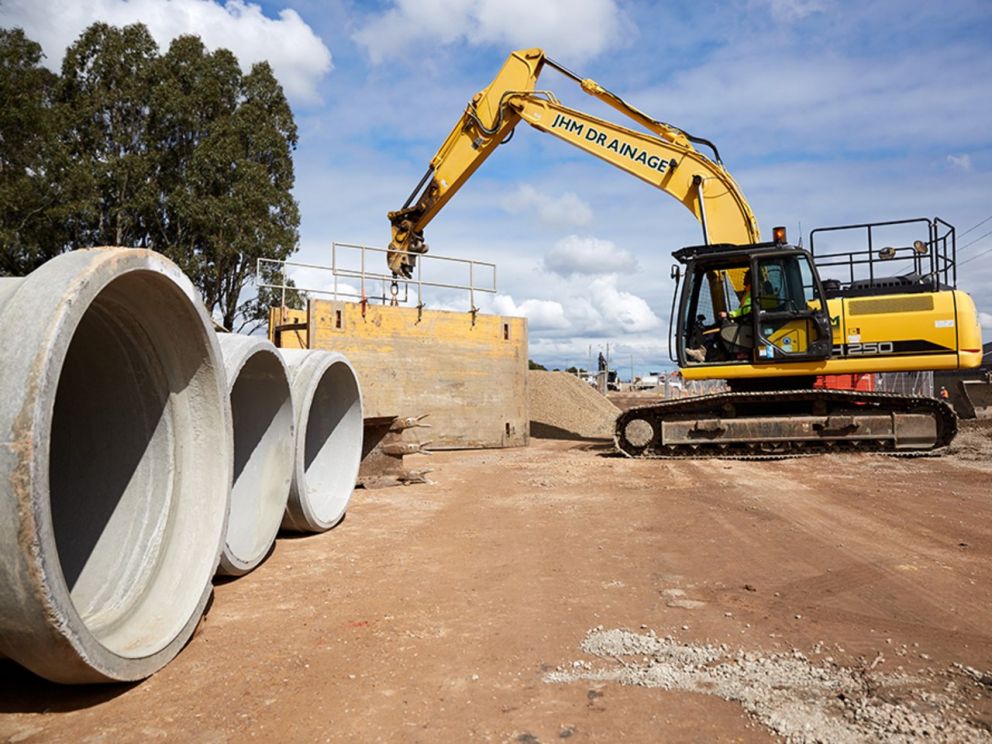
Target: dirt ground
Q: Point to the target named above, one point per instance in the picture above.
(461, 610)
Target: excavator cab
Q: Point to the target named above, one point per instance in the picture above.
(750, 305)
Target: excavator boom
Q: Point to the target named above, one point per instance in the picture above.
(704, 187)
(663, 156)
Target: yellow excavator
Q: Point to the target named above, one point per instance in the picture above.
(756, 314)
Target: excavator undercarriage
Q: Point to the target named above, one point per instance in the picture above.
(804, 422)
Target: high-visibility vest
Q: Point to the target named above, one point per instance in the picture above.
(745, 307)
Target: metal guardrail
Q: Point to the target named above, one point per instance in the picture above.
(265, 268)
(933, 261)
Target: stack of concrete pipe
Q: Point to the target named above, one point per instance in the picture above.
(141, 453)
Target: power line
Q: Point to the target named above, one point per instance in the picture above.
(977, 255)
(975, 226)
(980, 237)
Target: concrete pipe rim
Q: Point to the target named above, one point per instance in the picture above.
(258, 499)
(96, 284)
(326, 469)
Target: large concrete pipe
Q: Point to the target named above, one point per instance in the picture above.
(264, 446)
(328, 404)
(115, 466)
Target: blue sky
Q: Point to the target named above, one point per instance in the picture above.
(826, 112)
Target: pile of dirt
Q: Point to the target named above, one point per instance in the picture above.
(564, 407)
(974, 440)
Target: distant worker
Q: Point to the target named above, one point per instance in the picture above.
(944, 394)
(602, 362)
(745, 307)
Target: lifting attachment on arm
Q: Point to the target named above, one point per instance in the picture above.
(664, 156)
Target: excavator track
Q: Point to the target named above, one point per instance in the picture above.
(785, 423)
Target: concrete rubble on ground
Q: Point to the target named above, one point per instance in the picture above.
(800, 699)
(563, 405)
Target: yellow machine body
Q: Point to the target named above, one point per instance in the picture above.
(888, 333)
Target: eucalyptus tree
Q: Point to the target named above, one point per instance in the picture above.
(180, 152)
(31, 161)
(223, 152)
(105, 91)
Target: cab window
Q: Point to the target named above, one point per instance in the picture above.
(713, 294)
(786, 285)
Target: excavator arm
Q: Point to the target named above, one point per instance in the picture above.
(663, 157)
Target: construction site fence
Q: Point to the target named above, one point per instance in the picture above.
(905, 383)
(902, 383)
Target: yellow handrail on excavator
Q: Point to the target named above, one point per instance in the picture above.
(663, 157)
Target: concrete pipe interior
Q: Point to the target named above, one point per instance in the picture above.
(332, 447)
(262, 410)
(136, 458)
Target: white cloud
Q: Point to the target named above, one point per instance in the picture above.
(985, 319)
(540, 314)
(297, 55)
(321, 282)
(570, 29)
(793, 10)
(961, 162)
(567, 210)
(588, 255)
(596, 309)
(626, 311)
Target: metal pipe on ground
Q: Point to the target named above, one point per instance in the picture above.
(263, 445)
(328, 403)
(115, 465)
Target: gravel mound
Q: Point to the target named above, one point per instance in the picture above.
(564, 407)
(797, 698)
(974, 440)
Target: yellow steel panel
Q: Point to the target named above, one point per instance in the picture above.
(284, 330)
(470, 376)
(919, 322)
(929, 318)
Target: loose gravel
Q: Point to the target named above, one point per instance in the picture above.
(974, 440)
(802, 700)
(561, 405)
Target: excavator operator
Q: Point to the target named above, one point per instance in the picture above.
(736, 331)
(744, 309)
